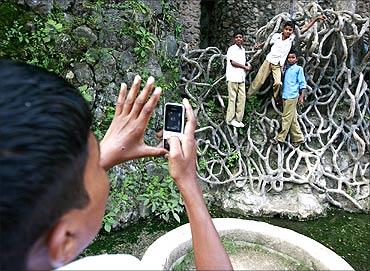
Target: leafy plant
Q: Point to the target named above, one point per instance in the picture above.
(36, 44)
(232, 159)
(156, 192)
(85, 92)
(252, 104)
(145, 42)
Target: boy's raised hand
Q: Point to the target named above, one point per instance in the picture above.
(321, 18)
(124, 139)
(258, 45)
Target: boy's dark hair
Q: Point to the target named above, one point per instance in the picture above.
(238, 32)
(293, 51)
(44, 129)
(289, 23)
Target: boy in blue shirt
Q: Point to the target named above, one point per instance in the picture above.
(294, 86)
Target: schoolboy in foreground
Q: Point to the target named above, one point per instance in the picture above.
(54, 185)
(235, 77)
(293, 91)
(275, 59)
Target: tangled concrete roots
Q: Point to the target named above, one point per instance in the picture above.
(334, 160)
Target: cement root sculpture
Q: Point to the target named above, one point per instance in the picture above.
(335, 119)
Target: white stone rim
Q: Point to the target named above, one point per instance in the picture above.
(157, 256)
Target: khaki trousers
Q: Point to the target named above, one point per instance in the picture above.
(264, 71)
(236, 96)
(289, 122)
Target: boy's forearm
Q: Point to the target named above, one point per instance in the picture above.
(311, 23)
(209, 252)
(238, 65)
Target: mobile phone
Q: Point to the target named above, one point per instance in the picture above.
(173, 124)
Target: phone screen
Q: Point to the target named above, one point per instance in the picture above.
(173, 118)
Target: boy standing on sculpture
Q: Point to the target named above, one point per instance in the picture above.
(293, 91)
(275, 59)
(235, 77)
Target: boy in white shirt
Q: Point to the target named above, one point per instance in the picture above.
(235, 77)
(274, 62)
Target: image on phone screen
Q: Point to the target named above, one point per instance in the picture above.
(173, 119)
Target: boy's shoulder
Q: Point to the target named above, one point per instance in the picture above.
(297, 68)
(235, 47)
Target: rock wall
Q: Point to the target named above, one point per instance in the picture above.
(190, 16)
(219, 19)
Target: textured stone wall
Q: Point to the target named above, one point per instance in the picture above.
(189, 16)
(215, 23)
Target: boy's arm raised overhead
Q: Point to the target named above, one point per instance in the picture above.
(305, 28)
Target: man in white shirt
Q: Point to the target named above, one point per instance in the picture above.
(274, 62)
(235, 77)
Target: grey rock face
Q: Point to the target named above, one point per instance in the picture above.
(125, 60)
(110, 93)
(155, 6)
(40, 6)
(83, 73)
(169, 45)
(63, 4)
(154, 68)
(105, 69)
(127, 43)
(108, 38)
(64, 43)
(292, 203)
(85, 36)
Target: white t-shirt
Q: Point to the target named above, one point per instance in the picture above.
(280, 48)
(237, 54)
(106, 262)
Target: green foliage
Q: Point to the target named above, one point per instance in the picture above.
(9, 13)
(140, 30)
(133, 7)
(35, 43)
(156, 192)
(252, 104)
(33, 38)
(202, 163)
(119, 198)
(232, 159)
(84, 90)
(144, 43)
(100, 127)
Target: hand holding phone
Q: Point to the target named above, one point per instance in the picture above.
(174, 119)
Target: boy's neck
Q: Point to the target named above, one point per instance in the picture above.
(283, 37)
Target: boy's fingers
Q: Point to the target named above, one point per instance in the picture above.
(155, 151)
(191, 122)
(131, 97)
(143, 96)
(175, 147)
(149, 107)
(121, 99)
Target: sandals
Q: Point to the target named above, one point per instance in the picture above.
(297, 144)
(274, 141)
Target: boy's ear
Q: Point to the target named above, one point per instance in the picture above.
(62, 243)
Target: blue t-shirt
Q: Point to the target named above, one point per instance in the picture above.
(293, 81)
